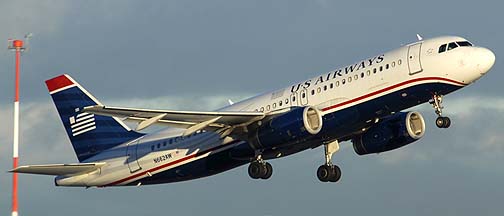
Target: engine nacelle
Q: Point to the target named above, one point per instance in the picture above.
(393, 132)
(289, 127)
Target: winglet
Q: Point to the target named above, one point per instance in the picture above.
(59, 83)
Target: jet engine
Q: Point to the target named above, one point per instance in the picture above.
(289, 127)
(391, 133)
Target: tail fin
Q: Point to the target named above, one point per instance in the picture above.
(88, 133)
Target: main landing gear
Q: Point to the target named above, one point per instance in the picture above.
(260, 169)
(329, 172)
(441, 122)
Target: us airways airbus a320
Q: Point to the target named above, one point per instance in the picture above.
(362, 103)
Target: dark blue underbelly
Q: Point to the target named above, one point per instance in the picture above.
(337, 125)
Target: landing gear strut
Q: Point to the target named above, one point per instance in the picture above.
(260, 169)
(441, 122)
(329, 172)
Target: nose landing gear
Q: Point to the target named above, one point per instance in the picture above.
(329, 172)
(441, 122)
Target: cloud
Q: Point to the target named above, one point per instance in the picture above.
(42, 133)
(476, 133)
(19, 18)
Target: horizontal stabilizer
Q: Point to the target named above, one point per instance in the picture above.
(58, 169)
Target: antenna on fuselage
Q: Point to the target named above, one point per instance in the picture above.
(419, 37)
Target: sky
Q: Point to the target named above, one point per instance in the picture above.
(194, 55)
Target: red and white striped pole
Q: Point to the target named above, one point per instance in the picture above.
(17, 46)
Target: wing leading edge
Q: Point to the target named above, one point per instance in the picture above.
(191, 120)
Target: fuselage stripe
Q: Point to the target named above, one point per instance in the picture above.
(197, 154)
(145, 173)
(390, 88)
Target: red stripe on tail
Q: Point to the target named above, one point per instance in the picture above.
(58, 82)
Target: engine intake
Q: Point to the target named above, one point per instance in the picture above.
(393, 132)
(289, 127)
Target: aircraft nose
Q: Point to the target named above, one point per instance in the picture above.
(487, 60)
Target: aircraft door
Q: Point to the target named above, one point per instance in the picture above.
(303, 97)
(132, 156)
(414, 63)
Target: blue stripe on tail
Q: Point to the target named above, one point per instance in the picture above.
(90, 134)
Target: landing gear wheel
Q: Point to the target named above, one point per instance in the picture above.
(443, 122)
(269, 171)
(255, 170)
(329, 173)
(336, 174)
(324, 173)
(260, 170)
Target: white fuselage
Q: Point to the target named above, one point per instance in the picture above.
(372, 78)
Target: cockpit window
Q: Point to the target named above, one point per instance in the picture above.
(452, 45)
(442, 48)
(464, 43)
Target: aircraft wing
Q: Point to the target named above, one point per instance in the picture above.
(191, 120)
(58, 169)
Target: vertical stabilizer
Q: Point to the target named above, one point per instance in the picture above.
(90, 134)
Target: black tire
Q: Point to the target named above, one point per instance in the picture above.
(255, 170)
(324, 173)
(447, 122)
(335, 174)
(269, 171)
(440, 122)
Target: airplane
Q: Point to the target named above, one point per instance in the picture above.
(362, 103)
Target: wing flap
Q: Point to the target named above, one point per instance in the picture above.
(58, 169)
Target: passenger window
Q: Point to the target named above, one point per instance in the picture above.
(287, 100)
(343, 82)
(374, 70)
(362, 75)
(303, 95)
(152, 147)
(268, 108)
(442, 48)
(337, 83)
(356, 77)
(318, 90)
(331, 85)
(280, 103)
(386, 66)
(274, 105)
(164, 143)
(294, 99)
(325, 88)
(312, 91)
(452, 46)
(368, 72)
(381, 68)
(464, 43)
(159, 145)
(262, 109)
(393, 64)
(399, 62)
